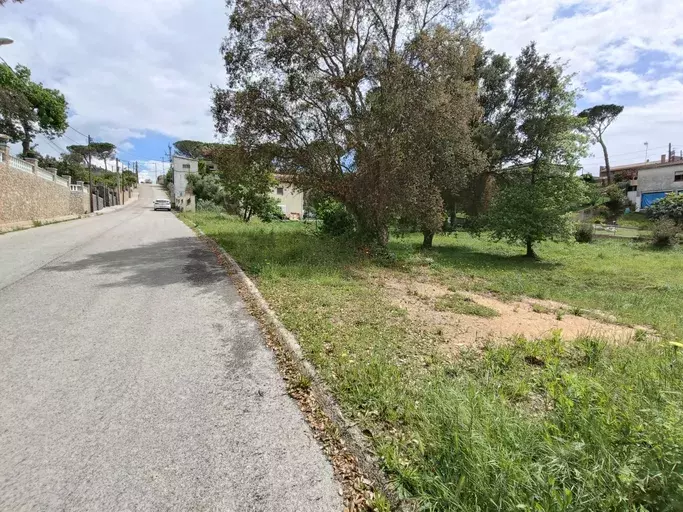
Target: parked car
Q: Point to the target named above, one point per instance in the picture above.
(162, 204)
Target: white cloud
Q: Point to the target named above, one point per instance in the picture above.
(609, 43)
(129, 67)
(126, 66)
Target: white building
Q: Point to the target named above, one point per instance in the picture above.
(290, 200)
(182, 166)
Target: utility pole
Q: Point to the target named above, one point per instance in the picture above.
(669, 152)
(647, 146)
(137, 174)
(155, 172)
(92, 208)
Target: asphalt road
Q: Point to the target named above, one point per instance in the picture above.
(133, 378)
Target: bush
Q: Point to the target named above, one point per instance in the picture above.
(205, 205)
(664, 233)
(336, 219)
(584, 233)
(269, 210)
(669, 207)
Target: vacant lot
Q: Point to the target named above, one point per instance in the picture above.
(578, 419)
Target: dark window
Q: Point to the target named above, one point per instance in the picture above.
(280, 191)
(678, 176)
(632, 188)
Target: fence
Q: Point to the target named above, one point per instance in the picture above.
(31, 168)
(20, 165)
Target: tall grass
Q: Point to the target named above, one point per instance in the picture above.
(534, 425)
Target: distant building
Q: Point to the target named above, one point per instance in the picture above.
(182, 198)
(650, 181)
(289, 198)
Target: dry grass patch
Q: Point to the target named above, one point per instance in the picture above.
(473, 320)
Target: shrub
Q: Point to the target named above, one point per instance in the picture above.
(336, 219)
(669, 207)
(616, 201)
(664, 233)
(205, 205)
(584, 233)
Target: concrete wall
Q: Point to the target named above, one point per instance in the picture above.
(660, 179)
(181, 168)
(290, 200)
(27, 197)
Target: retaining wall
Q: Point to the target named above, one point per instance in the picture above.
(27, 197)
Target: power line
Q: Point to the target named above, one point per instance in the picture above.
(67, 137)
(79, 132)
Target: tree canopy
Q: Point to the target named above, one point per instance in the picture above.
(190, 148)
(28, 108)
(597, 120)
(534, 197)
(319, 79)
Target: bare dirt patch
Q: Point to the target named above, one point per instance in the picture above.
(529, 318)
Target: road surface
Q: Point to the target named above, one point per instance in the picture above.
(133, 378)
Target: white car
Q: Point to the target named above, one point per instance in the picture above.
(162, 204)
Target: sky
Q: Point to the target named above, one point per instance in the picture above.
(138, 73)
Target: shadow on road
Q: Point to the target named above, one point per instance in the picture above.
(178, 260)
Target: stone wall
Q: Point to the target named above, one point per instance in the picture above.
(26, 197)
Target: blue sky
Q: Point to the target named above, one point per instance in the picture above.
(138, 72)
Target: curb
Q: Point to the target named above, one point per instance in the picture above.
(352, 437)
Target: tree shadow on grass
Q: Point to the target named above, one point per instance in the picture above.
(466, 257)
(160, 264)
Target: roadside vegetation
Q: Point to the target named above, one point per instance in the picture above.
(514, 424)
(497, 370)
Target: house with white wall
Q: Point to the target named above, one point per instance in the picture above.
(181, 198)
(649, 181)
(289, 198)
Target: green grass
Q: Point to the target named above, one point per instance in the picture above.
(539, 426)
(463, 305)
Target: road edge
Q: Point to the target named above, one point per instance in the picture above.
(352, 439)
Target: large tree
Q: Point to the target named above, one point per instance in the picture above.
(318, 78)
(535, 195)
(439, 102)
(32, 108)
(597, 120)
(103, 150)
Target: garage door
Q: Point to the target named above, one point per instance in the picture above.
(647, 199)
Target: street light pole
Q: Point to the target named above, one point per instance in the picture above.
(5, 40)
(92, 207)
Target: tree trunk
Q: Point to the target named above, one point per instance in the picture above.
(453, 212)
(427, 242)
(26, 140)
(530, 249)
(608, 170)
(26, 145)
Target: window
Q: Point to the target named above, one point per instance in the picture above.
(280, 191)
(186, 166)
(678, 176)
